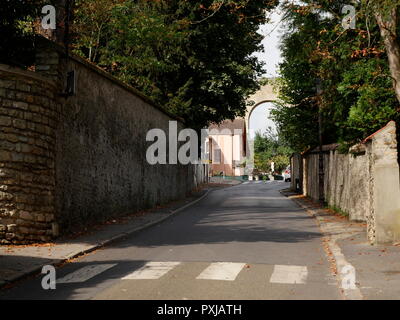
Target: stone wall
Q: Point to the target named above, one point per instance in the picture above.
(29, 116)
(364, 183)
(384, 215)
(347, 183)
(101, 152)
(69, 161)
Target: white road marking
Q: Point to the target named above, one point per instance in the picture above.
(227, 271)
(85, 273)
(245, 182)
(151, 271)
(289, 274)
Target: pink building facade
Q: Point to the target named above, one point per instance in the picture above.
(226, 147)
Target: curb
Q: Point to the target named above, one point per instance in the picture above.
(340, 260)
(36, 270)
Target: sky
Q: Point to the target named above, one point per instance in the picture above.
(272, 56)
(259, 119)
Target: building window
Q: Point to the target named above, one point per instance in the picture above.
(217, 156)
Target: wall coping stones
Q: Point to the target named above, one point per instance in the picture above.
(26, 73)
(391, 124)
(61, 50)
(325, 148)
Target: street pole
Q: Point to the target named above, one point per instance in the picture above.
(321, 173)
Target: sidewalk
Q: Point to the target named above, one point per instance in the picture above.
(377, 268)
(222, 181)
(18, 262)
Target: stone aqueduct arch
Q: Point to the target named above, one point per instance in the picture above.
(267, 93)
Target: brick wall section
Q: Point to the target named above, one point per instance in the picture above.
(28, 118)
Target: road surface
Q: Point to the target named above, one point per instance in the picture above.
(242, 242)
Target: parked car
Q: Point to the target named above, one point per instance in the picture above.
(287, 174)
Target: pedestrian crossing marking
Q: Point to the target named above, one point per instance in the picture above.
(226, 271)
(222, 271)
(151, 271)
(289, 274)
(85, 273)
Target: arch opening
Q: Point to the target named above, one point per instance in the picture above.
(259, 119)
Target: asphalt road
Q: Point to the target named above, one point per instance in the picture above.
(242, 242)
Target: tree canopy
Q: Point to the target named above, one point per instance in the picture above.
(268, 148)
(17, 31)
(195, 58)
(350, 67)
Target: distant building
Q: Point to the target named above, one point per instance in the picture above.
(226, 146)
(230, 146)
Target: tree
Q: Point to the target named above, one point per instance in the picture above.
(269, 148)
(386, 14)
(194, 58)
(92, 26)
(17, 31)
(356, 97)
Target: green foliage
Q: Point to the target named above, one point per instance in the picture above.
(270, 148)
(357, 96)
(192, 57)
(374, 103)
(338, 211)
(146, 49)
(17, 19)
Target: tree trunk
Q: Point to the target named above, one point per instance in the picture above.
(387, 25)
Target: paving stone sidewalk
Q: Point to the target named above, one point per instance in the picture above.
(17, 262)
(377, 267)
